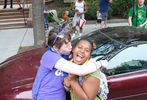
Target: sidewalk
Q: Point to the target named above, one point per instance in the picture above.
(12, 40)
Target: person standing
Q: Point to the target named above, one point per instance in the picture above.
(5, 4)
(104, 7)
(80, 8)
(138, 15)
(45, 11)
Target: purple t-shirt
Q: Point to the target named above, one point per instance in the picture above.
(51, 87)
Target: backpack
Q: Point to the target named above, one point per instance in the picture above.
(103, 89)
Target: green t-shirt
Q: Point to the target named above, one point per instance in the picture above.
(141, 15)
(94, 74)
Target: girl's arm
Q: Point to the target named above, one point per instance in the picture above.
(80, 70)
(89, 89)
(143, 23)
(73, 8)
(130, 20)
(79, 92)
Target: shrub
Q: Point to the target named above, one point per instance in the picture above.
(122, 7)
(91, 14)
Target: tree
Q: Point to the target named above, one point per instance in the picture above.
(38, 22)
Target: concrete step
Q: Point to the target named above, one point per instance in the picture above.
(15, 2)
(12, 23)
(14, 27)
(13, 10)
(13, 18)
(13, 14)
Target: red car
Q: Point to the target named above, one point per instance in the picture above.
(124, 47)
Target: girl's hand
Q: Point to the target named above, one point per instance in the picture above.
(72, 77)
(67, 82)
(76, 10)
(79, 14)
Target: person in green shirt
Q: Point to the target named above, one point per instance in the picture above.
(86, 87)
(138, 15)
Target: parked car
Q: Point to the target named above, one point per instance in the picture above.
(124, 47)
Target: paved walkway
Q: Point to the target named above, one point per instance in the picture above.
(12, 40)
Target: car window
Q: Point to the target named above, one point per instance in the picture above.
(129, 60)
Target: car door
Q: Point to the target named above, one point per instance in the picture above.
(127, 74)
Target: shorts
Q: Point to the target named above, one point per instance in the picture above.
(75, 21)
(99, 20)
(104, 16)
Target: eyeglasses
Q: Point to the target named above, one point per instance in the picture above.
(60, 33)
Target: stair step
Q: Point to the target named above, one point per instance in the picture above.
(15, 2)
(11, 20)
(5, 28)
(13, 17)
(13, 14)
(13, 10)
(13, 25)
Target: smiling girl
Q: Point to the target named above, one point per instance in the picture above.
(85, 87)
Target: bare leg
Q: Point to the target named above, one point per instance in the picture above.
(105, 22)
(102, 24)
(81, 30)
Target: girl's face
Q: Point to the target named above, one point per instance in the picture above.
(81, 52)
(65, 48)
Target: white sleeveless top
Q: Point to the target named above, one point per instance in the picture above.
(80, 7)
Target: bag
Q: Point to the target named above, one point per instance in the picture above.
(103, 89)
(82, 22)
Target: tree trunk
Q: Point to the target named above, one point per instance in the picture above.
(38, 22)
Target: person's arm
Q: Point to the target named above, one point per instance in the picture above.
(85, 8)
(79, 92)
(143, 23)
(80, 70)
(89, 89)
(130, 16)
(110, 1)
(130, 20)
(46, 12)
(73, 8)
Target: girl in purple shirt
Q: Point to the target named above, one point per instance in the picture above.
(48, 84)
